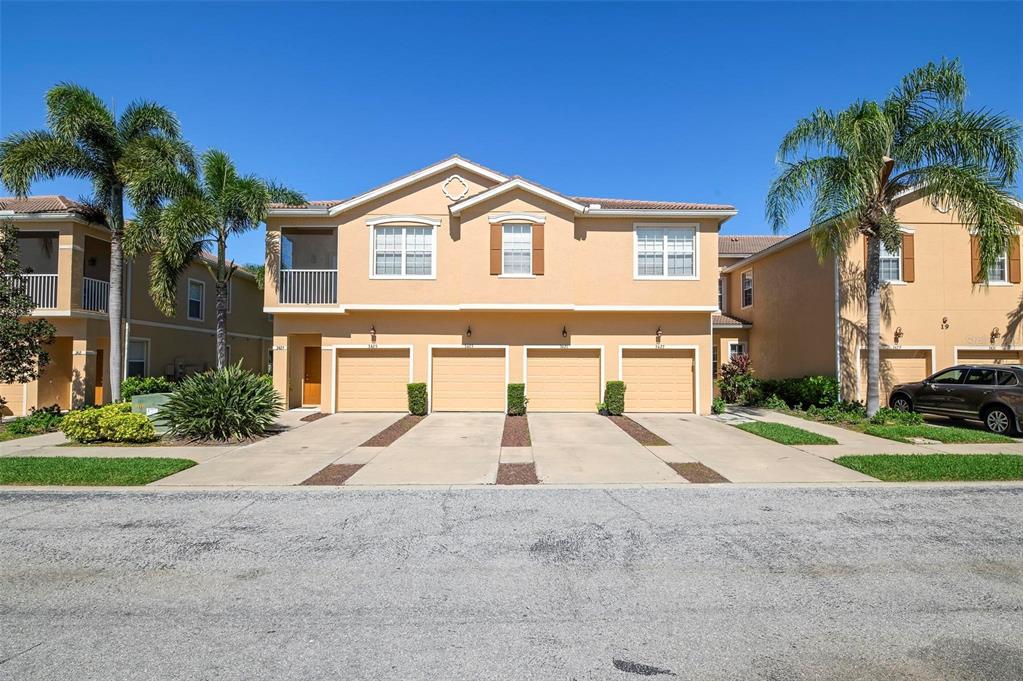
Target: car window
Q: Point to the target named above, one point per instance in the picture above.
(1007, 378)
(981, 377)
(950, 376)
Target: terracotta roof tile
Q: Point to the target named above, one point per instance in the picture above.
(746, 244)
(637, 204)
(727, 320)
(40, 204)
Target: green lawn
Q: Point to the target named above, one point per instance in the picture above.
(787, 435)
(920, 467)
(944, 434)
(74, 470)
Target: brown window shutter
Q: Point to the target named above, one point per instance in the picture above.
(975, 270)
(495, 248)
(1014, 270)
(537, 249)
(908, 258)
(866, 252)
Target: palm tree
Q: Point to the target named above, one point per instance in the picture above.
(138, 154)
(213, 207)
(852, 166)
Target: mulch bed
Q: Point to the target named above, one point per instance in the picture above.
(388, 435)
(313, 417)
(517, 474)
(638, 432)
(516, 432)
(334, 474)
(697, 472)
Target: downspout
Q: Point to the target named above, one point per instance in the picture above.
(127, 322)
(838, 326)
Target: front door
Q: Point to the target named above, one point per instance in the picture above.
(100, 369)
(311, 377)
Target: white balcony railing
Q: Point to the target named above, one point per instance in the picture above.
(95, 294)
(42, 289)
(307, 287)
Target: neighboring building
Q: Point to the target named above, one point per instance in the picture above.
(802, 316)
(466, 279)
(66, 258)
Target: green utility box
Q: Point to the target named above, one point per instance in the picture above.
(150, 405)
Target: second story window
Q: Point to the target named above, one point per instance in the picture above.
(403, 252)
(196, 298)
(891, 264)
(998, 273)
(665, 253)
(721, 293)
(517, 249)
(747, 288)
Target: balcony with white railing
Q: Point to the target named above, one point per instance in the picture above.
(95, 293)
(42, 289)
(307, 287)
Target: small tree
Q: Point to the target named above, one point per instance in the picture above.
(737, 383)
(23, 340)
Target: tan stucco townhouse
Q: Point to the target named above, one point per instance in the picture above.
(66, 260)
(799, 315)
(466, 279)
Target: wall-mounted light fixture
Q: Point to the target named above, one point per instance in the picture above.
(995, 335)
(658, 334)
(898, 335)
(564, 332)
(372, 329)
(468, 331)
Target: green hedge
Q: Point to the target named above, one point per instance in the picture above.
(805, 392)
(112, 423)
(614, 397)
(516, 399)
(417, 399)
(145, 385)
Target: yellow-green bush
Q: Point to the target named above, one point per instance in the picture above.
(113, 423)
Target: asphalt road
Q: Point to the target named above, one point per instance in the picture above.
(841, 583)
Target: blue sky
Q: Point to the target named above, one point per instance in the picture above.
(662, 101)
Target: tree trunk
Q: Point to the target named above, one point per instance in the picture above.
(222, 279)
(116, 296)
(872, 271)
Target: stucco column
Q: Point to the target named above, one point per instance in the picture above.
(327, 368)
(70, 262)
(83, 372)
(280, 367)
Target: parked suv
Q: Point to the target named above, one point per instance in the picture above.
(990, 393)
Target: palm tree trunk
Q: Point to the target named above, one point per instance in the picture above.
(222, 279)
(116, 296)
(872, 270)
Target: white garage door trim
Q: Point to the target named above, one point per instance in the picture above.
(982, 348)
(525, 363)
(859, 364)
(333, 374)
(461, 346)
(697, 367)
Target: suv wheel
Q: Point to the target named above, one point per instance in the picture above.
(999, 420)
(901, 402)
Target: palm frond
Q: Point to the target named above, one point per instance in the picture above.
(75, 114)
(218, 172)
(143, 118)
(925, 90)
(799, 182)
(816, 132)
(280, 193)
(27, 157)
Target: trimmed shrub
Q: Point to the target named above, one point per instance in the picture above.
(417, 401)
(808, 391)
(144, 385)
(126, 428)
(516, 399)
(226, 404)
(82, 425)
(738, 385)
(886, 416)
(718, 406)
(113, 423)
(614, 397)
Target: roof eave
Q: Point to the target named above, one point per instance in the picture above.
(774, 248)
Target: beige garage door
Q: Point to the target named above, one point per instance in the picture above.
(14, 394)
(563, 380)
(658, 380)
(468, 379)
(372, 379)
(897, 366)
(990, 357)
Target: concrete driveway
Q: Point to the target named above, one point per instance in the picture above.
(742, 456)
(447, 448)
(572, 449)
(288, 458)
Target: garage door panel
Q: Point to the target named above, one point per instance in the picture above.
(468, 379)
(563, 379)
(991, 357)
(897, 366)
(372, 379)
(659, 380)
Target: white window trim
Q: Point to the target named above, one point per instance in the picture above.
(898, 281)
(145, 362)
(736, 344)
(519, 275)
(723, 295)
(202, 301)
(403, 221)
(742, 289)
(636, 227)
(518, 217)
(1000, 282)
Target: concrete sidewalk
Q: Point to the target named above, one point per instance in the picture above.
(742, 456)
